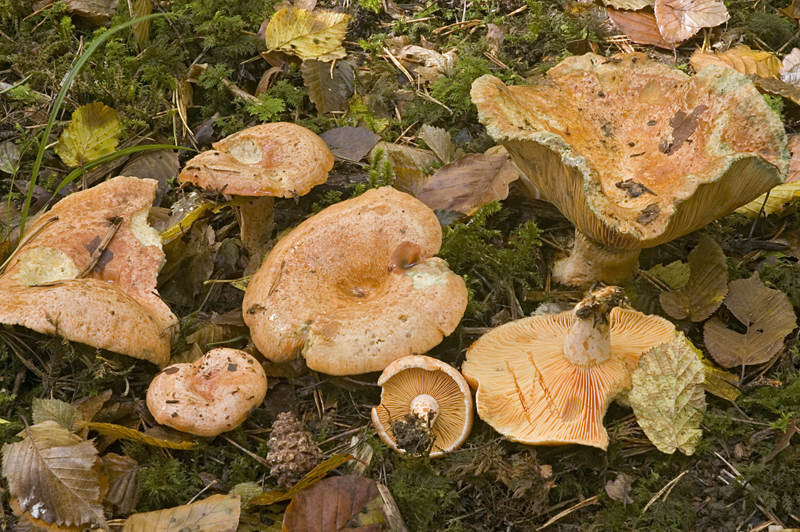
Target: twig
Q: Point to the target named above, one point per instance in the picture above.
(583, 503)
(668, 488)
(116, 222)
(253, 455)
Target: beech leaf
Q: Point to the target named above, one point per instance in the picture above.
(350, 143)
(311, 478)
(777, 87)
(707, 285)
(124, 433)
(337, 503)
(439, 141)
(640, 27)
(740, 58)
(55, 476)
(412, 166)
(123, 487)
(93, 132)
(308, 35)
(141, 30)
(767, 316)
(218, 513)
(328, 93)
(631, 5)
(667, 396)
(54, 410)
(679, 20)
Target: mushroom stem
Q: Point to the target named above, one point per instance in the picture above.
(588, 341)
(591, 262)
(426, 408)
(256, 223)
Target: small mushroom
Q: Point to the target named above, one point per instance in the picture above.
(548, 379)
(259, 163)
(634, 153)
(425, 405)
(356, 287)
(210, 396)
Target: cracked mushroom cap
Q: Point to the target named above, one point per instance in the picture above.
(530, 392)
(424, 385)
(633, 152)
(356, 287)
(54, 286)
(213, 395)
(276, 159)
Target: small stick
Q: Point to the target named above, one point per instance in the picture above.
(116, 222)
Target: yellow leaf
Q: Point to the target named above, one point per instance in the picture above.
(124, 433)
(314, 476)
(141, 30)
(740, 58)
(93, 132)
(218, 513)
(779, 197)
(308, 35)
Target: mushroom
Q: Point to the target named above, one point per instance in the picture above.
(425, 405)
(634, 153)
(548, 379)
(87, 271)
(256, 164)
(210, 396)
(356, 287)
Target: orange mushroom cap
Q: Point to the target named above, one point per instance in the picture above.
(213, 395)
(442, 394)
(356, 287)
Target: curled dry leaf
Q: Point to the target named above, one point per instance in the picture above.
(307, 35)
(439, 141)
(679, 20)
(329, 84)
(93, 132)
(667, 396)
(124, 433)
(767, 316)
(620, 488)
(640, 27)
(707, 285)
(412, 166)
(218, 513)
(350, 143)
(777, 87)
(790, 61)
(740, 58)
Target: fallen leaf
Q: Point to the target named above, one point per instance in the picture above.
(88, 407)
(313, 476)
(640, 27)
(682, 126)
(707, 285)
(790, 61)
(782, 442)
(9, 157)
(98, 12)
(767, 317)
(328, 93)
(779, 198)
(161, 165)
(54, 410)
(141, 30)
(740, 58)
(439, 141)
(307, 35)
(720, 382)
(777, 87)
(675, 274)
(123, 487)
(412, 166)
(124, 433)
(55, 476)
(218, 513)
(431, 65)
(337, 503)
(350, 143)
(667, 396)
(620, 488)
(630, 5)
(93, 132)
(679, 20)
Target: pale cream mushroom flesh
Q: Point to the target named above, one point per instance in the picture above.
(210, 396)
(548, 379)
(258, 163)
(426, 405)
(634, 153)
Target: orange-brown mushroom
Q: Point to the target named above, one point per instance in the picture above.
(548, 380)
(635, 153)
(356, 287)
(211, 396)
(261, 162)
(427, 399)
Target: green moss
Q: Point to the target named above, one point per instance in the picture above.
(772, 28)
(785, 276)
(420, 492)
(165, 481)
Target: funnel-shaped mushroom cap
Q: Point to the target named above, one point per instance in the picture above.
(530, 392)
(277, 159)
(114, 305)
(213, 395)
(426, 381)
(633, 152)
(355, 287)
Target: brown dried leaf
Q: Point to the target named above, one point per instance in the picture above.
(439, 141)
(740, 58)
(790, 60)
(161, 165)
(328, 93)
(679, 20)
(350, 143)
(337, 503)
(629, 5)
(314, 476)
(62, 413)
(141, 30)
(707, 285)
(777, 87)
(767, 316)
(412, 166)
(218, 513)
(98, 12)
(125, 433)
(123, 487)
(55, 476)
(640, 27)
(620, 488)
(782, 442)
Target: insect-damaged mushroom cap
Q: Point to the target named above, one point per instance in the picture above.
(410, 378)
(633, 152)
(276, 159)
(355, 287)
(213, 395)
(528, 391)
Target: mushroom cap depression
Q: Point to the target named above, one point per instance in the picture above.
(276, 159)
(410, 377)
(356, 287)
(633, 152)
(528, 391)
(213, 395)
(114, 305)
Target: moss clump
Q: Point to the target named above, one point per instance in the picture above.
(786, 277)
(165, 481)
(420, 492)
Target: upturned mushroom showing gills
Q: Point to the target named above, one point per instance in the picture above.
(634, 153)
(356, 287)
(426, 405)
(213, 395)
(259, 163)
(548, 379)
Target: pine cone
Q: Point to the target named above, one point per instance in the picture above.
(292, 451)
